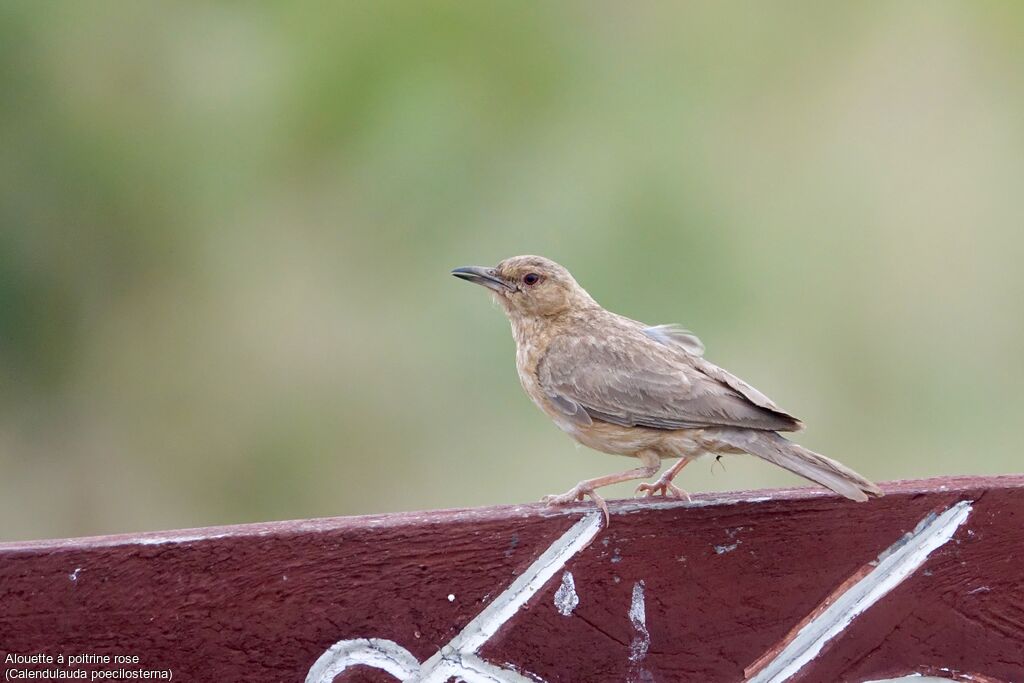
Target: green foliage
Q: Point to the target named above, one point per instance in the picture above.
(225, 233)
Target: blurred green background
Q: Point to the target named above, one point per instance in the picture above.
(226, 230)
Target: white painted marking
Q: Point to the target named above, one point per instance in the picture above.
(565, 597)
(638, 617)
(504, 607)
(894, 565)
(73, 576)
(459, 659)
(451, 597)
(627, 507)
(722, 549)
(163, 540)
(473, 669)
(376, 652)
(642, 640)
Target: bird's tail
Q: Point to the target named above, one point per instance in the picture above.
(799, 460)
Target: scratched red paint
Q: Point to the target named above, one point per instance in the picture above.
(723, 583)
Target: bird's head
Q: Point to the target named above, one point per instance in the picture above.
(529, 286)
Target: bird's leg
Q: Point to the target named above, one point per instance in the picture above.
(588, 487)
(664, 485)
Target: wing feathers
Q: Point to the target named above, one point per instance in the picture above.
(633, 378)
(673, 334)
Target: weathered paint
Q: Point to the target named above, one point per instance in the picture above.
(566, 598)
(213, 604)
(892, 567)
(638, 617)
(458, 658)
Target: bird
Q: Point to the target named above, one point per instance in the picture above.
(622, 387)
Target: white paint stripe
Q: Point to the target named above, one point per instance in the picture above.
(632, 507)
(458, 658)
(914, 678)
(894, 565)
(163, 540)
(376, 652)
(472, 669)
(504, 607)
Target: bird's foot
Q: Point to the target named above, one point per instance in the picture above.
(577, 493)
(663, 487)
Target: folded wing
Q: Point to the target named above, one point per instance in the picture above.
(630, 378)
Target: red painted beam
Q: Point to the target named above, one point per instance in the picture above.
(767, 585)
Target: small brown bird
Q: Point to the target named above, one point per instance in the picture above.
(622, 387)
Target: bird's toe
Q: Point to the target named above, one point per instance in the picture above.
(556, 499)
(661, 488)
(646, 489)
(673, 491)
(580, 492)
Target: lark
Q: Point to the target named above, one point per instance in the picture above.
(645, 391)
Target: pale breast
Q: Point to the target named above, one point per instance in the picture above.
(528, 355)
(600, 436)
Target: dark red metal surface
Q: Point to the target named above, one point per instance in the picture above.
(724, 581)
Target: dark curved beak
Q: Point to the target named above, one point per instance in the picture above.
(487, 277)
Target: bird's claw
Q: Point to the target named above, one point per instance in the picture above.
(663, 488)
(578, 493)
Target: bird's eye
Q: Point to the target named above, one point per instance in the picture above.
(531, 278)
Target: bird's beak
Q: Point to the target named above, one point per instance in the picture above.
(487, 277)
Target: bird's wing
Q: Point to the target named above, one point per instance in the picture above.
(673, 334)
(738, 385)
(631, 379)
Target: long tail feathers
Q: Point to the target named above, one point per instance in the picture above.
(799, 460)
